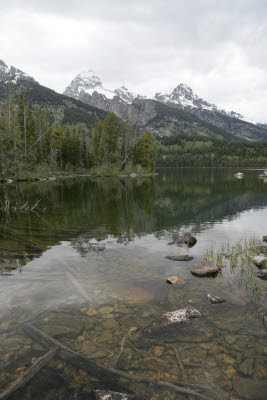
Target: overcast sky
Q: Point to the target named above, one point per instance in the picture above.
(218, 47)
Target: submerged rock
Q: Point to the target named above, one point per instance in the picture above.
(239, 175)
(246, 368)
(174, 280)
(180, 257)
(189, 240)
(205, 269)
(262, 274)
(175, 317)
(215, 299)
(260, 261)
(108, 395)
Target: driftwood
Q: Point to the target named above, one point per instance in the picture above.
(121, 350)
(27, 375)
(100, 371)
(77, 285)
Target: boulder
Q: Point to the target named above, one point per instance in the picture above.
(189, 240)
(109, 395)
(174, 280)
(260, 261)
(262, 274)
(205, 269)
(215, 299)
(175, 317)
(180, 257)
(264, 238)
(239, 175)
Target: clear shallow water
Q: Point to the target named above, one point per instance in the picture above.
(135, 221)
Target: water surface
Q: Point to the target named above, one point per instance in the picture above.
(136, 223)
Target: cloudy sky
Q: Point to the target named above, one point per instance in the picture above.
(218, 47)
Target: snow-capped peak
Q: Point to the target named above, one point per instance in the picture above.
(125, 94)
(12, 74)
(183, 97)
(86, 83)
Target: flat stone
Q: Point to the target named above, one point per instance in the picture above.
(91, 312)
(204, 269)
(174, 280)
(180, 257)
(111, 324)
(108, 395)
(215, 299)
(262, 274)
(260, 261)
(246, 368)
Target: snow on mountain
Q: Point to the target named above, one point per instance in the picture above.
(87, 83)
(125, 94)
(12, 74)
(183, 97)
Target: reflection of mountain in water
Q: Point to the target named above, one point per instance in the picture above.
(122, 207)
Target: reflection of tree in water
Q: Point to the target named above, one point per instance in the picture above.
(125, 207)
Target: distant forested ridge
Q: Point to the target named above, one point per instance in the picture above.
(202, 151)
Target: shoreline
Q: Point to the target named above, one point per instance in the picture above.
(75, 175)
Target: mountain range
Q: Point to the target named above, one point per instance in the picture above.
(86, 100)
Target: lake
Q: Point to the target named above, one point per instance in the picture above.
(84, 261)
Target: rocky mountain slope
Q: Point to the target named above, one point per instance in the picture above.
(88, 88)
(86, 100)
(66, 109)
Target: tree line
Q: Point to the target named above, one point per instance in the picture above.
(33, 138)
(202, 151)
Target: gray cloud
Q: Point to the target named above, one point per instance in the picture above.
(216, 47)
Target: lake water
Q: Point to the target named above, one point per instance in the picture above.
(87, 265)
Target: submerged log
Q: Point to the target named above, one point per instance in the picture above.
(100, 371)
(27, 375)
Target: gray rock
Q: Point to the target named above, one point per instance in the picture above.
(215, 299)
(260, 261)
(175, 317)
(189, 240)
(262, 274)
(180, 257)
(203, 270)
(108, 395)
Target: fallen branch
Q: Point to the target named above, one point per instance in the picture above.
(35, 205)
(121, 350)
(97, 370)
(27, 375)
(77, 285)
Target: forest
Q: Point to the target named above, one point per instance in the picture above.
(33, 139)
(41, 139)
(203, 151)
